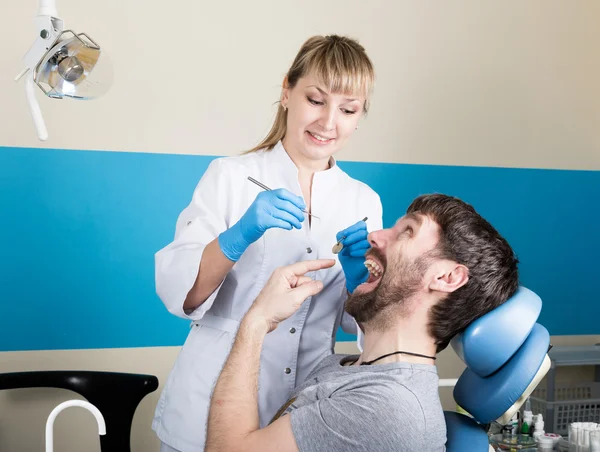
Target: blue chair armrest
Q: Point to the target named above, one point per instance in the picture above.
(463, 433)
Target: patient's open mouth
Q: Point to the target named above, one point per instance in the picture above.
(375, 270)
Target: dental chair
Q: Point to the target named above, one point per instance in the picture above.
(115, 394)
(506, 354)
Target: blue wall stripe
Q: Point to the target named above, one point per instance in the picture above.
(79, 230)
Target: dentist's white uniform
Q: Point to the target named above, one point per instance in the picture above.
(291, 351)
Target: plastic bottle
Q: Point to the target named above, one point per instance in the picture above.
(527, 422)
(539, 426)
(506, 431)
(514, 421)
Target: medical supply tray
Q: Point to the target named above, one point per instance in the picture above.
(573, 402)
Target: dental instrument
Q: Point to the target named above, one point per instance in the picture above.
(62, 66)
(264, 187)
(338, 246)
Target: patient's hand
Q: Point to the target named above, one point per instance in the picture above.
(285, 291)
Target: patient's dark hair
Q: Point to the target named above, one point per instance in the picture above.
(468, 239)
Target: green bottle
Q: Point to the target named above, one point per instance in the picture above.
(527, 418)
(527, 422)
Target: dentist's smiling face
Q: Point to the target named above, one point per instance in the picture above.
(399, 263)
(319, 122)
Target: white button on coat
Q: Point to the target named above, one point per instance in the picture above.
(222, 196)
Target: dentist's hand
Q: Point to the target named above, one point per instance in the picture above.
(285, 291)
(352, 256)
(271, 209)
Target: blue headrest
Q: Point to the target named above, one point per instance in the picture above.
(490, 341)
(502, 389)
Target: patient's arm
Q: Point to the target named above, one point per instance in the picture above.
(233, 421)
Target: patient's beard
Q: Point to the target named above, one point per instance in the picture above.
(374, 310)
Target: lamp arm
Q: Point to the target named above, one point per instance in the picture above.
(48, 8)
(34, 108)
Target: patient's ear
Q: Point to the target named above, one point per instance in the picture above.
(449, 276)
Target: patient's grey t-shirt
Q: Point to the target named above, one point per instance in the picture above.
(381, 407)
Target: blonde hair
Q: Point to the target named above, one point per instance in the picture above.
(338, 62)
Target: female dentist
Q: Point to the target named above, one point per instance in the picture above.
(234, 234)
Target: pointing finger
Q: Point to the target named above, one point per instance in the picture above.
(300, 268)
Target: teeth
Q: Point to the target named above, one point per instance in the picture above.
(318, 137)
(373, 268)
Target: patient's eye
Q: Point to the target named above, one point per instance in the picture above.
(407, 230)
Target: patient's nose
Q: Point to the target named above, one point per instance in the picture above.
(380, 239)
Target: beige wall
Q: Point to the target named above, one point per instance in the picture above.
(469, 82)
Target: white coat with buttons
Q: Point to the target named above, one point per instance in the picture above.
(289, 353)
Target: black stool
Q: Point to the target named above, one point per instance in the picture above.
(115, 394)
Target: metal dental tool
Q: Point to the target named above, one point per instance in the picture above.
(264, 187)
(338, 246)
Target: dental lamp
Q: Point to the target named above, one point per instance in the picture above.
(62, 64)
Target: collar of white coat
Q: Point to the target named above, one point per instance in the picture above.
(327, 177)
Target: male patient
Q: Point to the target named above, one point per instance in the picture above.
(437, 270)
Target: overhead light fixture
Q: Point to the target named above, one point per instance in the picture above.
(62, 64)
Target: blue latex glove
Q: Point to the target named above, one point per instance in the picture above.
(352, 256)
(271, 209)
